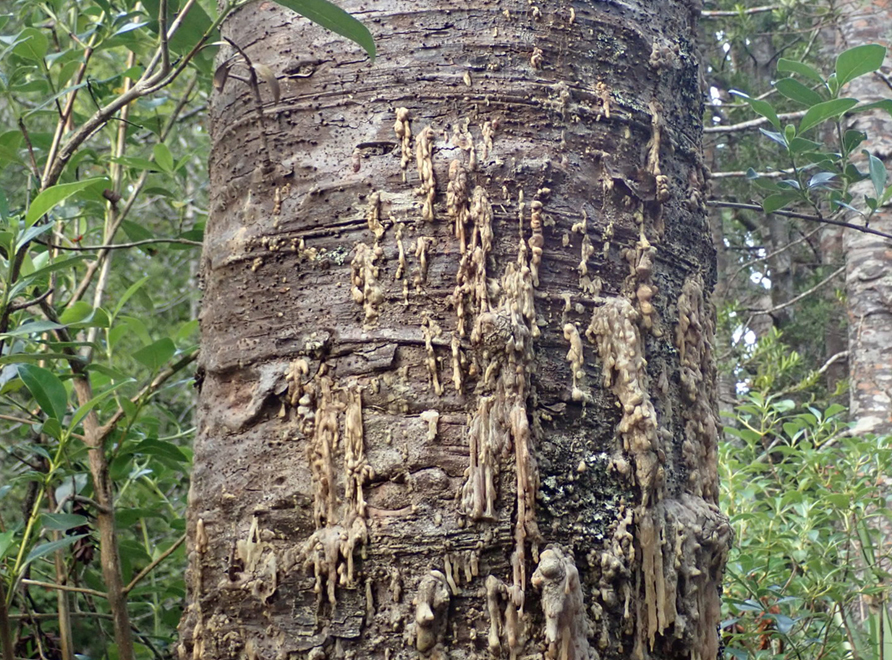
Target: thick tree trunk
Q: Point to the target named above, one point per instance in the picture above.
(457, 389)
(869, 258)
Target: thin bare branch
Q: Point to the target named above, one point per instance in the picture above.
(745, 173)
(729, 13)
(751, 123)
(800, 216)
(120, 246)
(63, 587)
(796, 299)
(148, 569)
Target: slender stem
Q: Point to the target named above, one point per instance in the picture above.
(5, 631)
(148, 569)
(64, 587)
(801, 216)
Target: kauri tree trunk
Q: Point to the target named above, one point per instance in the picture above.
(457, 393)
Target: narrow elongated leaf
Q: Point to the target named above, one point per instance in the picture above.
(81, 412)
(55, 195)
(46, 388)
(335, 19)
(774, 135)
(47, 548)
(796, 91)
(160, 448)
(133, 288)
(859, 60)
(156, 355)
(820, 179)
(61, 522)
(803, 69)
(6, 542)
(877, 172)
(779, 200)
(763, 108)
(885, 104)
(37, 327)
(163, 157)
(32, 45)
(823, 111)
(31, 233)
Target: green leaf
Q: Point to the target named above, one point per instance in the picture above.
(853, 139)
(796, 91)
(335, 19)
(76, 313)
(82, 411)
(46, 388)
(885, 104)
(46, 548)
(156, 355)
(798, 145)
(775, 136)
(821, 179)
(33, 44)
(877, 172)
(763, 108)
(194, 25)
(133, 288)
(803, 69)
(163, 157)
(857, 61)
(37, 327)
(61, 522)
(160, 448)
(825, 110)
(52, 427)
(779, 200)
(6, 539)
(55, 195)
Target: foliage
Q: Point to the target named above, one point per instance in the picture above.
(823, 172)
(809, 571)
(101, 160)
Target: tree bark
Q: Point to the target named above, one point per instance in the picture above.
(457, 392)
(869, 258)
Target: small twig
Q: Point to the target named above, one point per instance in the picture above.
(63, 587)
(34, 169)
(159, 380)
(728, 13)
(773, 253)
(801, 216)
(745, 173)
(794, 300)
(120, 246)
(835, 358)
(751, 123)
(17, 307)
(148, 569)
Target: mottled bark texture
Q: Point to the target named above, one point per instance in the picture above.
(457, 392)
(869, 258)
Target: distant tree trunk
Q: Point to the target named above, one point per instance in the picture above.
(457, 394)
(868, 257)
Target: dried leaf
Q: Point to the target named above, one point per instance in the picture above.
(221, 74)
(266, 74)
